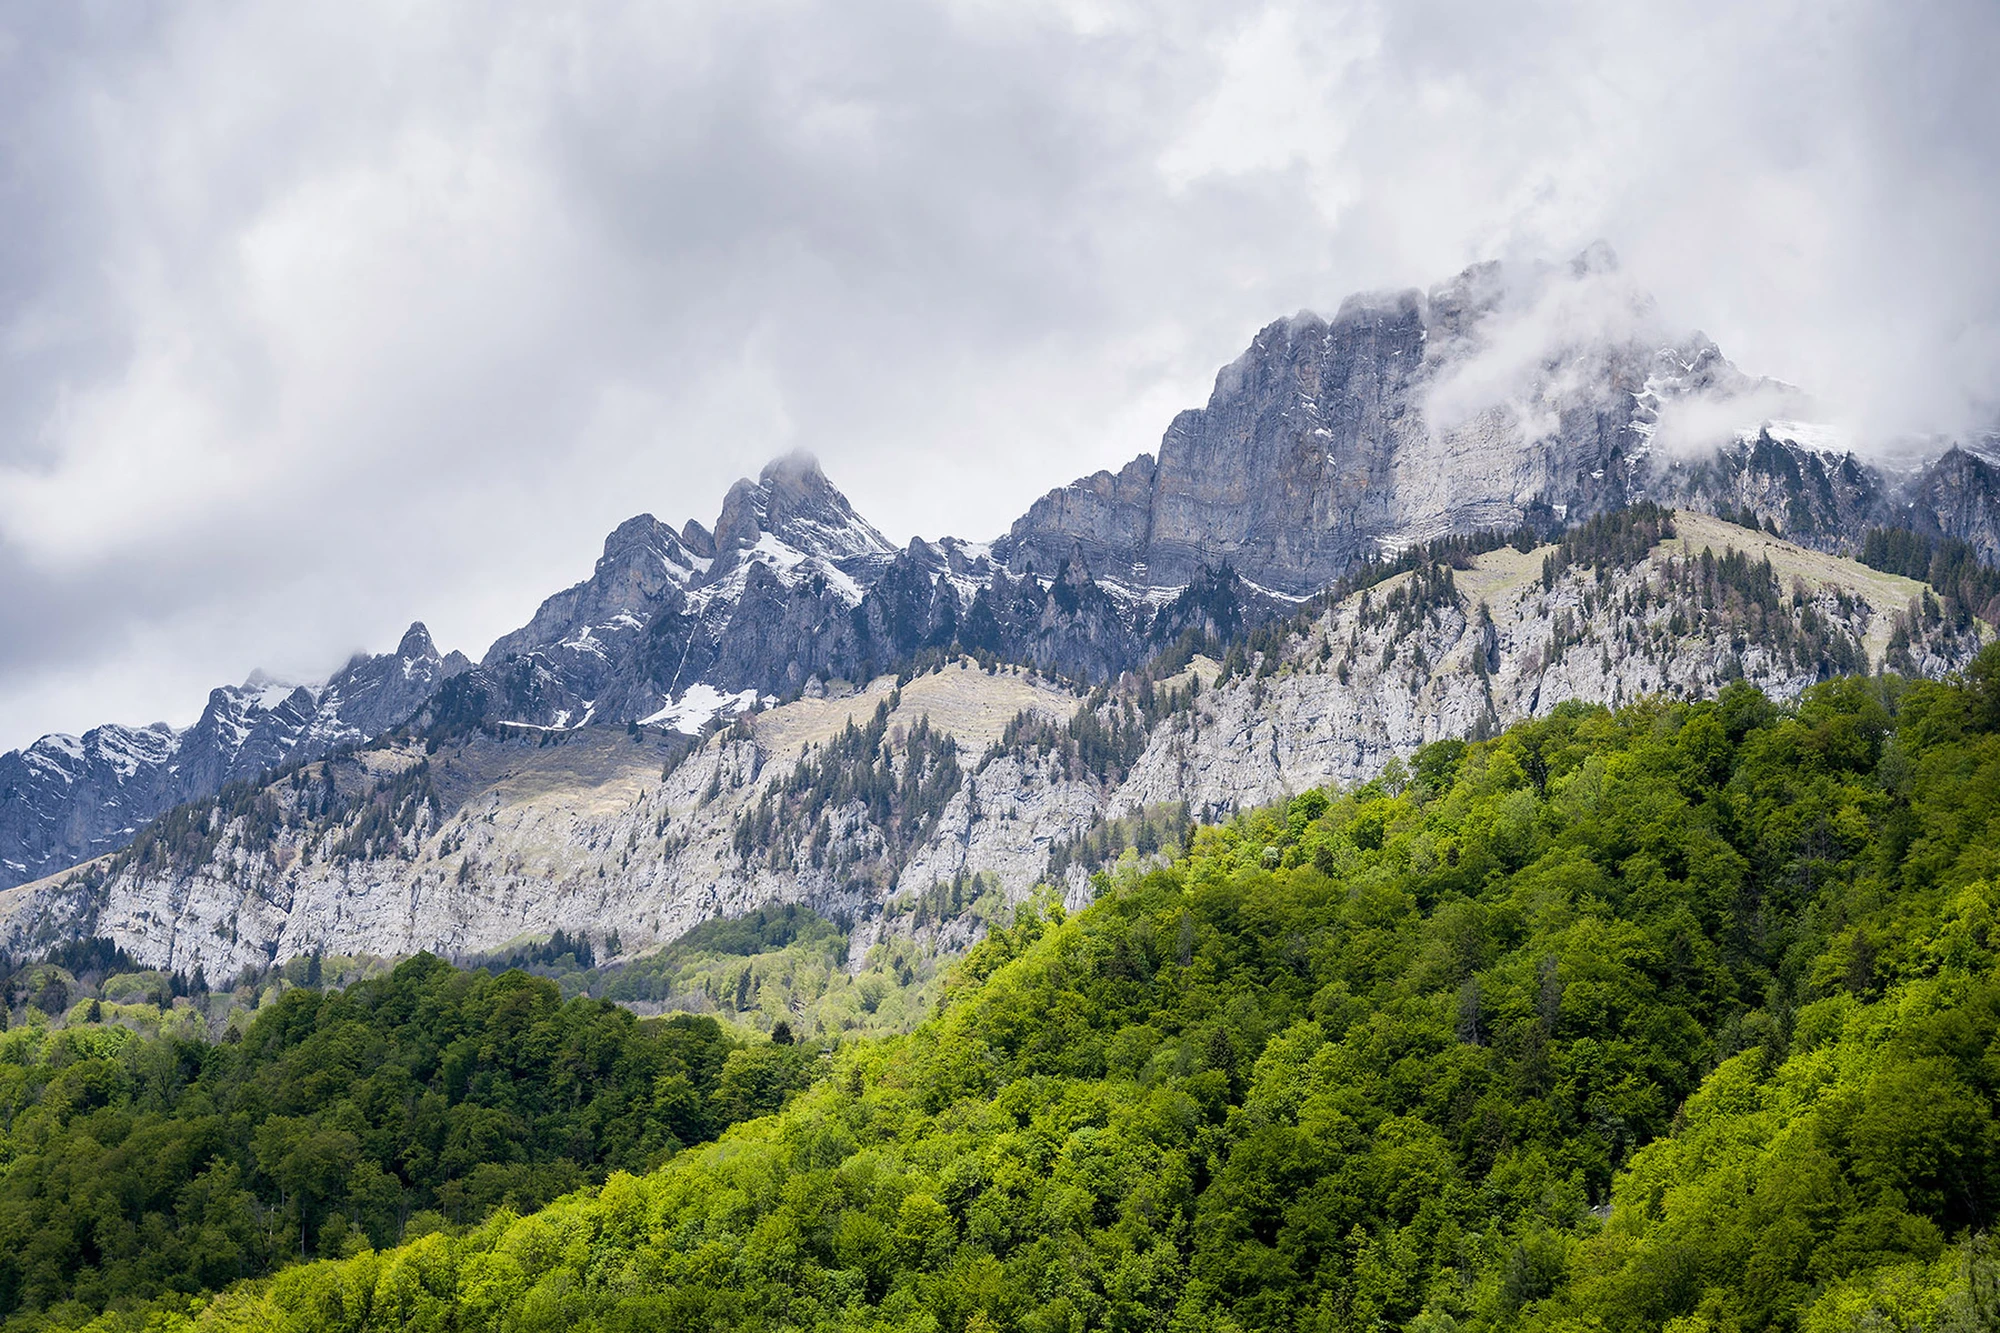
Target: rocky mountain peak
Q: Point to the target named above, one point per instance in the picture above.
(1460, 302)
(741, 521)
(416, 642)
(642, 550)
(1276, 475)
(635, 533)
(645, 567)
(793, 501)
(794, 473)
(698, 539)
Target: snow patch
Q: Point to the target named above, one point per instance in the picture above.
(971, 552)
(697, 707)
(127, 751)
(791, 566)
(61, 743)
(1293, 599)
(854, 538)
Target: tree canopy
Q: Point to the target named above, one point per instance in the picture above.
(340, 1121)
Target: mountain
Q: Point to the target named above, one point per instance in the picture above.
(793, 590)
(1515, 400)
(1330, 441)
(1504, 399)
(67, 798)
(1533, 970)
(868, 803)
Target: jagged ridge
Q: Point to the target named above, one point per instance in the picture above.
(66, 798)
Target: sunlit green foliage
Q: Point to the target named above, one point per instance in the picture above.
(786, 963)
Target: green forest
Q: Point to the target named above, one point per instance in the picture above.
(334, 1123)
(1681, 1016)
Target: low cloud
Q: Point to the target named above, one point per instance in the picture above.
(1693, 426)
(1535, 334)
(1544, 337)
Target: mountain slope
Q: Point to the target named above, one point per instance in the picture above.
(318, 1154)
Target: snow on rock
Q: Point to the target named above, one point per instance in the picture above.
(697, 707)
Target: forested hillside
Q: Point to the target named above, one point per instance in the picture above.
(336, 1122)
(1679, 1016)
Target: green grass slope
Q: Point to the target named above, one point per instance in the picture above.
(1677, 1017)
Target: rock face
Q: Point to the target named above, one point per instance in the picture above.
(1958, 496)
(67, 798)
(1821, 499)
(1502, 398)
(493, 836)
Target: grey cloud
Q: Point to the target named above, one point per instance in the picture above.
(315, 321)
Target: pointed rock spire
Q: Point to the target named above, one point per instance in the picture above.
(416, 642)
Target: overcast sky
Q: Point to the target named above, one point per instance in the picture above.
(315, 320)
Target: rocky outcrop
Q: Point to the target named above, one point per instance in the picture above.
(1957, 496)
(371, 694)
